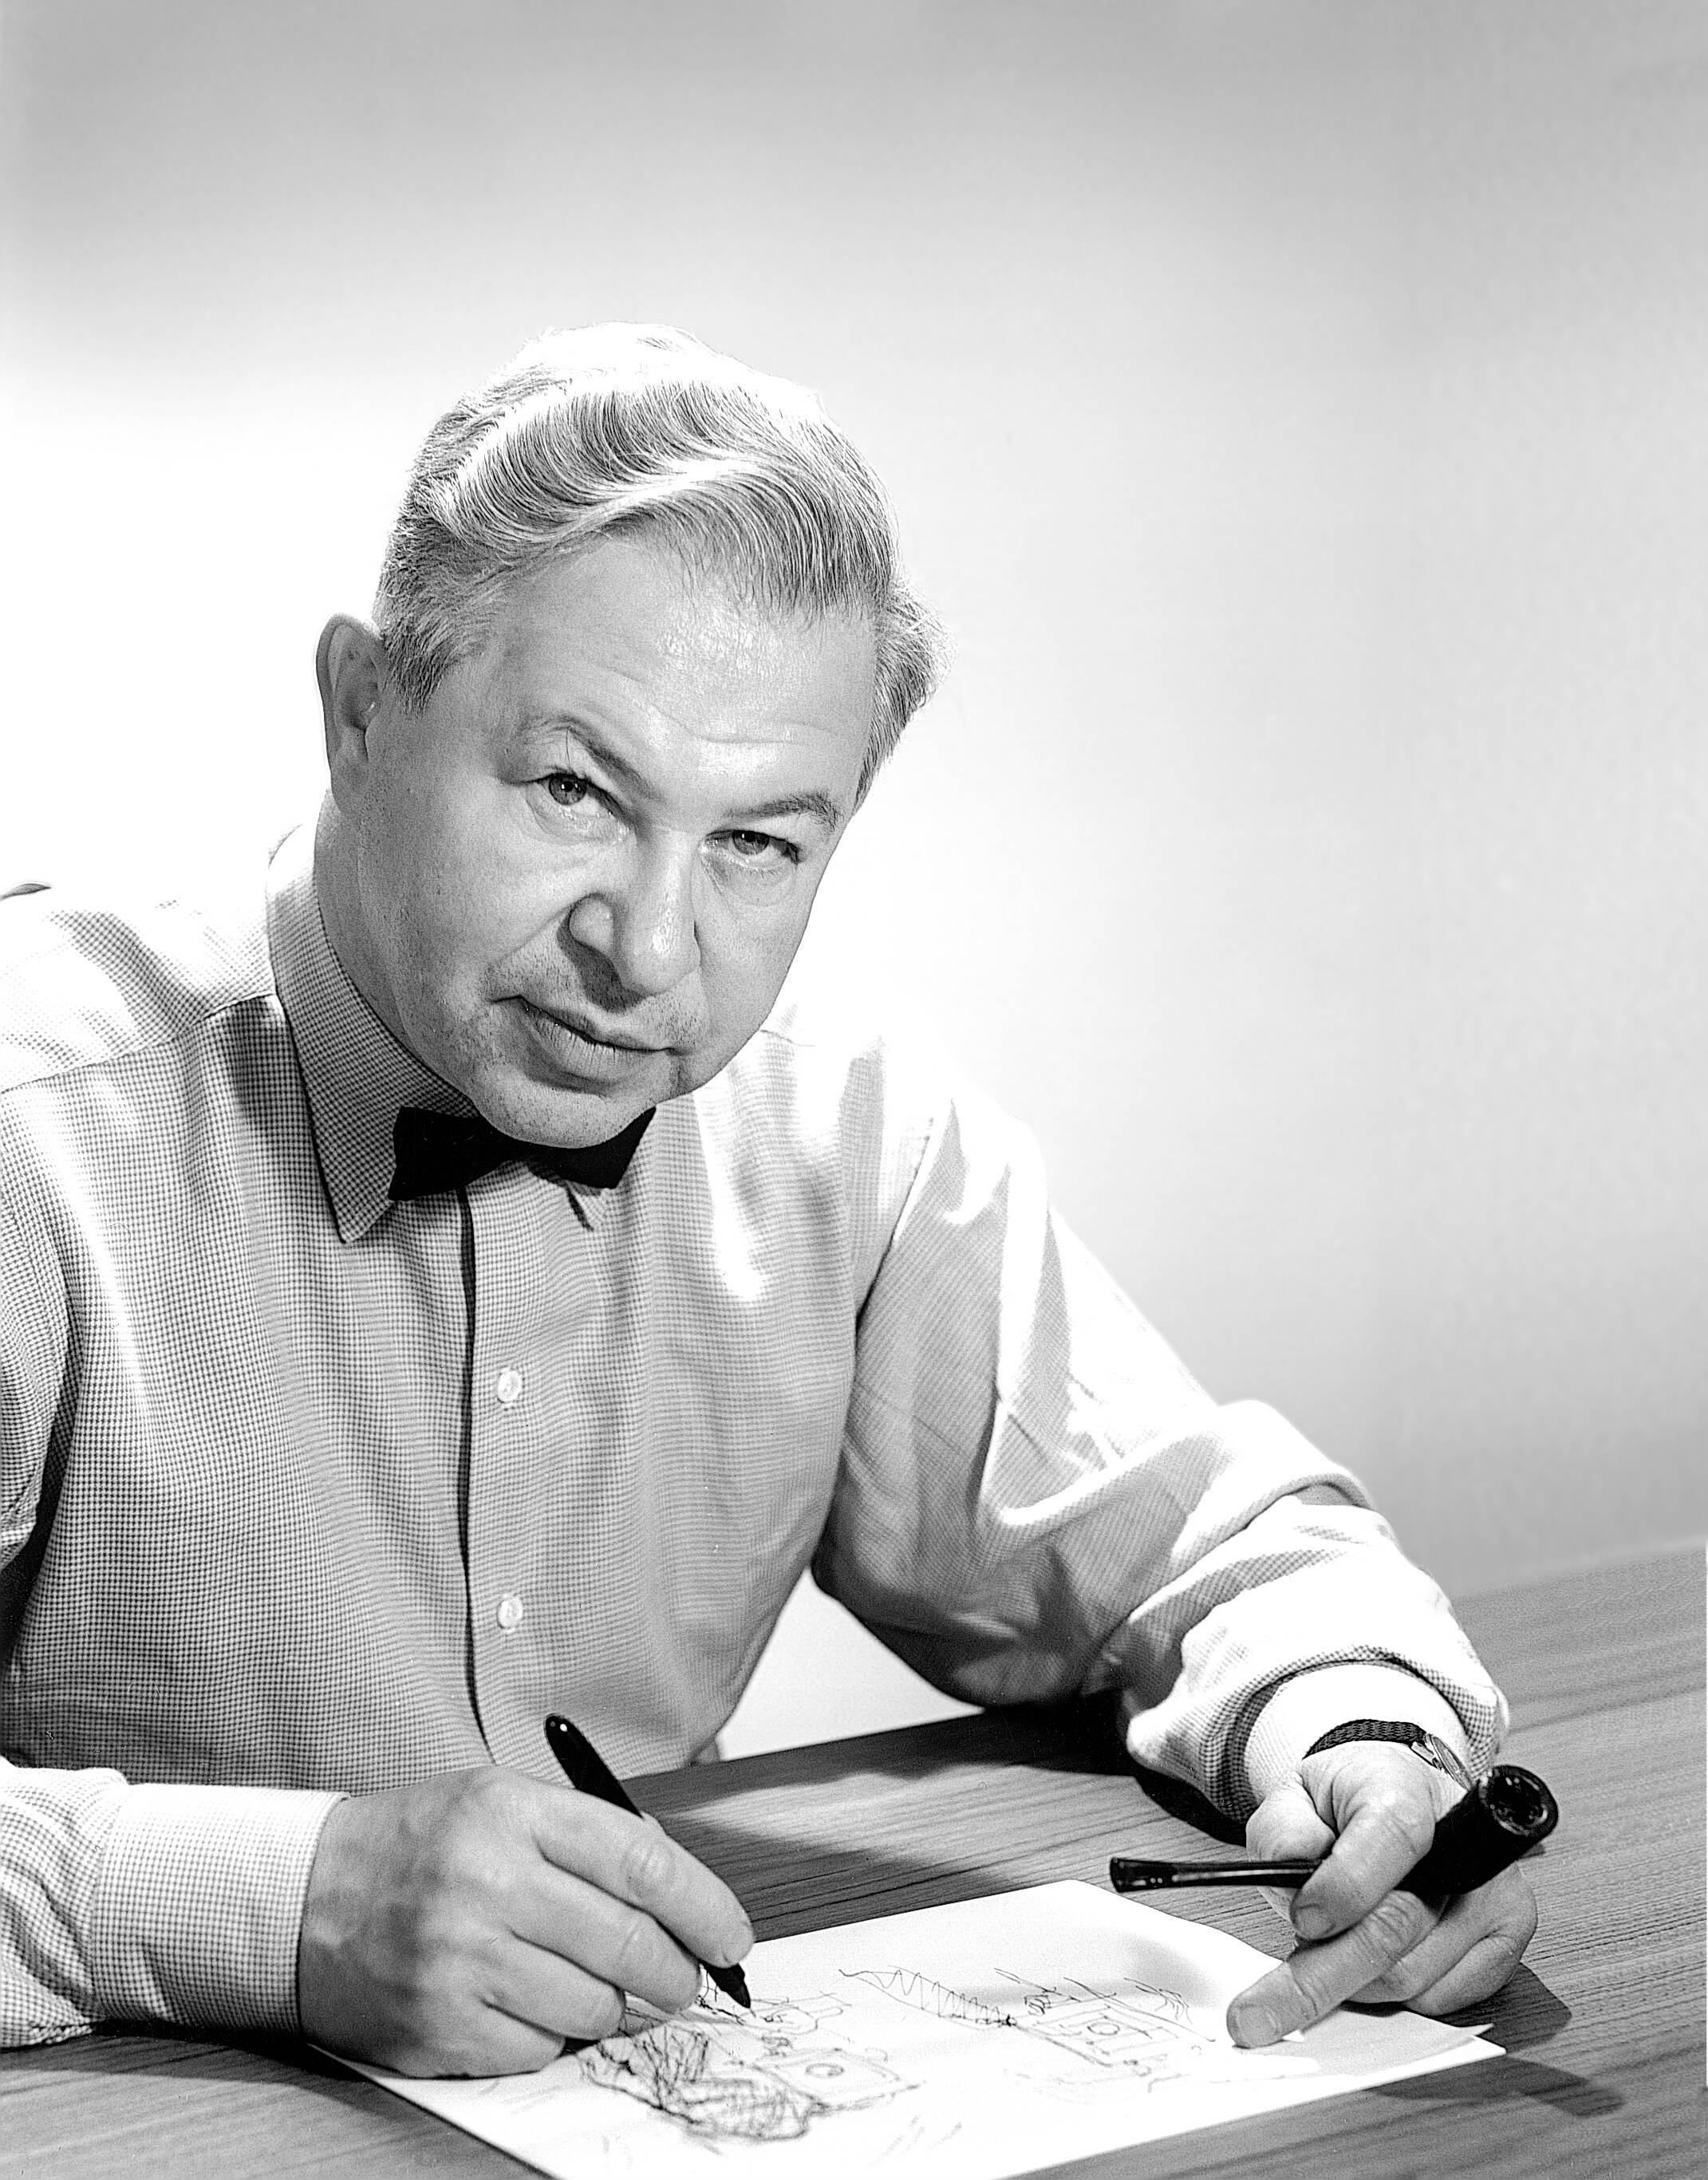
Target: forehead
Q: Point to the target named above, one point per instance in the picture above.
(625, 633)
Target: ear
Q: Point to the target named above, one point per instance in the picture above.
(350, 666)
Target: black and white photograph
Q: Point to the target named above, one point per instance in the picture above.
(853, 1087)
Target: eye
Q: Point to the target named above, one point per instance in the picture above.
(567, 788)
(750, 847)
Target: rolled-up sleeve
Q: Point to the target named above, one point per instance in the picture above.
(1037, 1500)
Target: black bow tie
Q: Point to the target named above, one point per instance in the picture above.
(438, 1150)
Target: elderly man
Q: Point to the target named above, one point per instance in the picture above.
(448, 1289)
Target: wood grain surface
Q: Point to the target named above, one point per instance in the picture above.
(1604, 2025)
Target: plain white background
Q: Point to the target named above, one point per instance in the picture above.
(1295, 409)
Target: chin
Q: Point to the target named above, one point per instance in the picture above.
(523, 1094)
(568, 1114)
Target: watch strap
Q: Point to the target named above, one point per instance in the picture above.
(1428, 1748)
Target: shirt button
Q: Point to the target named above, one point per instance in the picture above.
(508, 1385)
(509, 1613)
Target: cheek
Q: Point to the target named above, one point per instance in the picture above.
(440, 952)
(460, 909)
(742, 968)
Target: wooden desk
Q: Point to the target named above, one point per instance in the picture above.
(1604, 2024)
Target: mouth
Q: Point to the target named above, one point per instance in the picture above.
(586, 1032)
(582, 1050)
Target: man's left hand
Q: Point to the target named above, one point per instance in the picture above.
(1370, 1807)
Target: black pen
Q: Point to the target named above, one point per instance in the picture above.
(588, 1773)
(1506, 1812)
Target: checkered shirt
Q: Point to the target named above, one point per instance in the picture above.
(304, 1493)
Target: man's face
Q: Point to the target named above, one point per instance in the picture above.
(580, 872)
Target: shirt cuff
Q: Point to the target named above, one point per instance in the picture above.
(198, 1907)
(1309, 1705)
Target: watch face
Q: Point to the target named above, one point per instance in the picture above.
(1434, 1750)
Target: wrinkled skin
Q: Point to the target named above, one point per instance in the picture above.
(1370, 1809)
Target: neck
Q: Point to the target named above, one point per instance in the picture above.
(337, 892)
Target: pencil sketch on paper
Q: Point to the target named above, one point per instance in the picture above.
(905, 2051)
(772, 2075)
(762, 2076)
(925, 1996)
(1142, 2029)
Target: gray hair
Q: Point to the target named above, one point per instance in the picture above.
(614, 429)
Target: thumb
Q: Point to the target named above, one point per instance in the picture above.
(1284, 1825)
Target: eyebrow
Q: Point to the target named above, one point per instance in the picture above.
(811, 803)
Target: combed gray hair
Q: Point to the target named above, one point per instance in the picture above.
(614, 429)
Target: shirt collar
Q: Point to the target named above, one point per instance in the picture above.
(357, 1077)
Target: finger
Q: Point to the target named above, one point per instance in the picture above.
(1385, 1823)
(1284, 1826)
(540, 1991)
(1483, 1971)
(1318, 1977)
(1469, 1954)
(513, 2014)
(623, 1948)
(480, 2040)
(640, 1864)
(506, 2009)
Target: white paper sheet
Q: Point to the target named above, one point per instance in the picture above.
(998, 2036)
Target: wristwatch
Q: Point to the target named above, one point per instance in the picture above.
(1428, 1748)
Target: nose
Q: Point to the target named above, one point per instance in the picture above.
(641, 919)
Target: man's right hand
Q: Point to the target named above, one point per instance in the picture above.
(470, 1924)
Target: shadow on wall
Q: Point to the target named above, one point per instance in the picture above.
(823, 1678)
